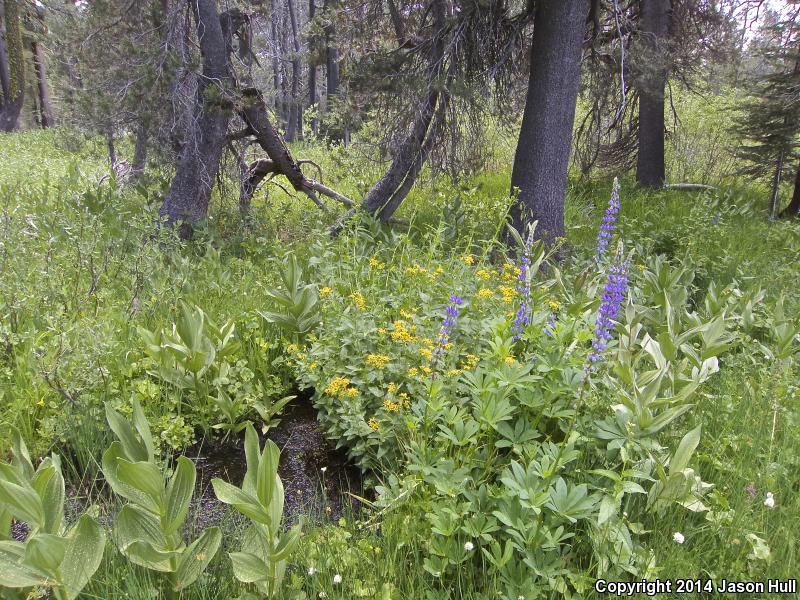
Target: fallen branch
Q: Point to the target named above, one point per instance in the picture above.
(690, 187)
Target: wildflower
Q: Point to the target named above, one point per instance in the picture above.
(554, 305)
(427, 353)
(323, 469)
(412, 372)
(615, 291)
(448, 324)
(483, 274)
(292, 348)
(382, 330)
(322, 595)
(337, 579)
(400, 332)
(313, 365)
(770, 501)
(468, 260)
(426, 369)
(351, 392)
(376, 264)
(608, 226)
(358, 300)
(454, 372)
(373, 423)
(551, 324)
(470, 362)
(427, 342)
(391, 406)
(311, 571)
(751, 491)
(325, 291)
(485, 293)
(337, 386)
(640, 266)
(406, 400)
(510, 361)
(406, 315)
(678, 537)
(469, 546)
(508, 293)
(523, 316)
(392, 388)
(377, 360)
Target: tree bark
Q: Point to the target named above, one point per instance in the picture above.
(14, 96)
(793, 209)
(655, 16)
(198, 162)
(389, 192)
(276, 67)
(140, 150)
(295, 113)
(312, 70)
(545, 140)
(331, 51)
(45, 106)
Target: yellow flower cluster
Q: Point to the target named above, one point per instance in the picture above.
(373, 423)
(454, 372)
(415, 269)
(485, 293)
(508, 292)
(400, 332)
(511, 361)
(426, 369)
(470, 362)
(413, 371)
(391, 406)
(483, 274)
(426, 353)
(382, 330)
(406, 315)
(324, 292)
(292, 348)
(510, 272)
(392, 388)
(468, 260)
(554, 305)
(358, 300)
(376, 264)
(377, 360)
(405, 399)
(340, 386)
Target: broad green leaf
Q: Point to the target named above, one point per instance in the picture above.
(252, 454)
(111, 460)
(22, 502)
(245, 503)
(133, 448)
(13, 574)
(44, 552)
(287, 543)
(179, 494)
(143, 429)
(197, 556)
(145, 555)
(686, 448)
(134, 523)
(145, 477)
(86, 542)
(248, 568)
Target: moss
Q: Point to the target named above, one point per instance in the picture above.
(16, 63)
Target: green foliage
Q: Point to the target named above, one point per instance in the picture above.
(149, 528)
(52, 555)
(296, 311)
(265, 546)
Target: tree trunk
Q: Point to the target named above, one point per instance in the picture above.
(331, 50)
(389, 192)
(295, 114)
(312, 70)
(276, 67)
(776, 184)
(793, 210)
(198, 162)
(45, 107)
(140, 150)
(655, 16)
(14, 96)
(545, 140)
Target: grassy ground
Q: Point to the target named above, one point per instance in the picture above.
(78, 285)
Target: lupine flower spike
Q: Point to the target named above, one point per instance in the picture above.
(451, 314)
(613, 297)
(608, 225)
(523, 317)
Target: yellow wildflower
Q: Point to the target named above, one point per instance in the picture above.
(405, 399)
(351, 392)
(373, 424)
(470, 362)
(412, 372)
(313, 365)
(337, 386)
(376, 264)
(453, 372)
(508, 293)
(301, 356)
(400, 332)
(406, 315)
(40, 402)
(427, 342)
(554, 305)
(391, 406)
(377, 360)
(426, 369)
(358, 300)
(511, 361)
(382, 330)
(468, 260)
(483, 274)
(426, 353)
(640, 267)
(485, 293)
(392, 388)
(324, 292)
(292, 348)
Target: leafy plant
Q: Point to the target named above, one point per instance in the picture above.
(148, 529)
(52, 555)
(266, 546)
(296, 312)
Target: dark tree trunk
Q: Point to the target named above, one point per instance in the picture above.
(4, 76)
(295, 113)
(545, 139)
(793, 210)
(140, 150)
(198, 162)
(397, 22)
(655, 16)
(45, 107)
(14, 93)
(389, 192)
(331, 50)
(276, 67)
(312, 70)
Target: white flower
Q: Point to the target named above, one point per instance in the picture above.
(311, 571)
(770, 501)
(520, 597)
(322, 595)
(323, 469)
(337, 578)
(678, 537)
(469, 546)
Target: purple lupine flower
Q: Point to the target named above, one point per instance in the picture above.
(608, 225)
(551, 324)
(613, 297)
(523, 317)
(448, 324)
